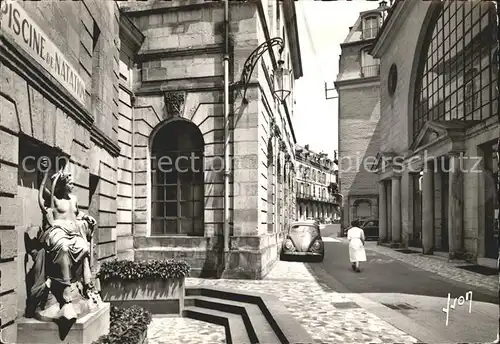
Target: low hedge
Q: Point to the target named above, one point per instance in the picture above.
(126, 326)
(126, 270)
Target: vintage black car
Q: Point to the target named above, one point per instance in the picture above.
(303, 239)
(370, 227)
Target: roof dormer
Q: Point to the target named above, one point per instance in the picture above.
(370, 24)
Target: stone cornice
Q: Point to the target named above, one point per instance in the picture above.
(148, 55)
(164, 7)
(367, 42)
(357, 82)
(391, 27)
(130, 36)
(101, 139)
(24, 65)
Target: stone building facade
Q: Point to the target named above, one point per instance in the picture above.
(58, 98)
(317, 185)
(439, 124)
(172, 105)
(113, 88)
(357, 85)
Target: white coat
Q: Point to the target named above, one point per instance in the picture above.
(357, 252)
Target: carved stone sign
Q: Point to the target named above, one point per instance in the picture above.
(16, 24)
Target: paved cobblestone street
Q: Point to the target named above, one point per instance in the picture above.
(170, 330)
(324, 313)
(440, 266)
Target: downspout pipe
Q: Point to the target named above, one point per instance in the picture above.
(227, 162)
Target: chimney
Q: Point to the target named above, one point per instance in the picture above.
(382, 6)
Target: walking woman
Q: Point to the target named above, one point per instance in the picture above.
(356, 237)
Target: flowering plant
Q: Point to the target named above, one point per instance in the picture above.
(125, 270)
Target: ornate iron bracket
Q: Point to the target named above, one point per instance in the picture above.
(252, 60)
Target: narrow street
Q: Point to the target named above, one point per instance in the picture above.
(409, 298)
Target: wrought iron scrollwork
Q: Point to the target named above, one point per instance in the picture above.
(254, 57)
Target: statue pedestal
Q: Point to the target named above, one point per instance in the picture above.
(84, 331)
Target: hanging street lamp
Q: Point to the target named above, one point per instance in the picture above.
(281, 80)
(281, 76)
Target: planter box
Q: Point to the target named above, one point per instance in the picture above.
(158, 297)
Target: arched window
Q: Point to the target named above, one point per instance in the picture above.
(177, 181)
(362, 208)
(457, 74)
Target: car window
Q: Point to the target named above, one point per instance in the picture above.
(302, 229)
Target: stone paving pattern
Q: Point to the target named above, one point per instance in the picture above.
(173, 330)
(440, 266)
(310, 302)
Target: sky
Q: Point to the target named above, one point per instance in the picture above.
(315, 119)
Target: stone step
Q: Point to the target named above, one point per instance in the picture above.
(235, 327)
(258, 328)
(285, 327)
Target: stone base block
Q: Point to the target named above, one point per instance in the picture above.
(84, 331)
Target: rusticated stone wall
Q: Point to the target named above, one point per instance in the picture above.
(39, 117)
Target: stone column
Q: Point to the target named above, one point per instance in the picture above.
(382, 209)
(396, 208)
(428, 208)
(406, 207)
(455, 210)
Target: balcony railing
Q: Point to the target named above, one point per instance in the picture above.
(318, 198)
(367, 71)
(370, 33)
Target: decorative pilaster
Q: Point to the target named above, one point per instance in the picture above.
(428, 208)
(396, 208)
(382, 212)
(455, 205)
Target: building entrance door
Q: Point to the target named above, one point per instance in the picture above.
(491, 204)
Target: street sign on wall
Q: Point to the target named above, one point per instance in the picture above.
(17, 24)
